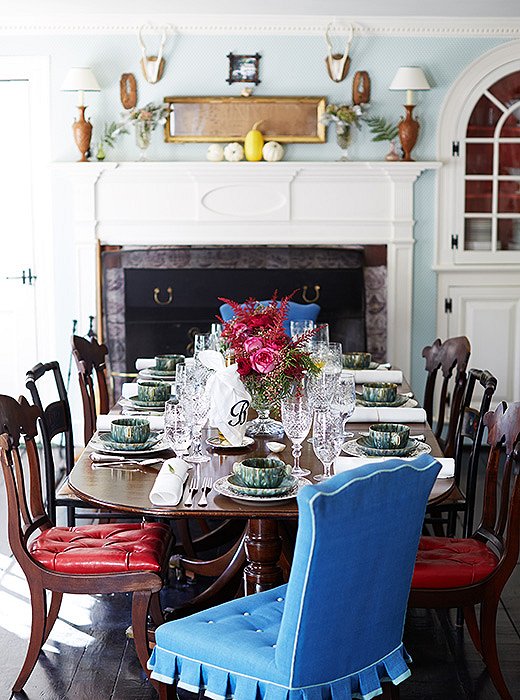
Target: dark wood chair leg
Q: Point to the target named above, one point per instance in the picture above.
(390, 691)
(54, 610)
(140, 605)
(156, 609)
(472, 625)
(488, 618)
(168, 692)
(39, 615)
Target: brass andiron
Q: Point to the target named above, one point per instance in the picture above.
(82, 130)
(408, 132)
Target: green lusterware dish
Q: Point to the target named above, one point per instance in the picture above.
(147, 404)
(153, 392)
(223, 488)
(358, 448)
(167, 363)
(106, 440)
(154, 374)
(372, 451)
(235, 484)
(400, 401)
(379, 391)
(388, 436)
(130, 430)
(357, 360)
(261, 472)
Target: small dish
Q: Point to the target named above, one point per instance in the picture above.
(380, 391)
(236, 485)
(401, 400)
(151, 373)
(146, 404)
(275, 446)
(217, 443)
(104, 442)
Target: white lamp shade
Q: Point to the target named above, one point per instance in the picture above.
(410, 78)
(80, 79)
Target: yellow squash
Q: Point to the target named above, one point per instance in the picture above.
(254, 142)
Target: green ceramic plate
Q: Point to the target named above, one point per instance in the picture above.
(218, 445)
(356, 449)
(146, 404)
(236, 485)
(365, 443)
(400, 401)
(223, 487)
(154, 374)
(105, 440)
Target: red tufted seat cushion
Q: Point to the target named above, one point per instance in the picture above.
(448, 562)
(102, 549)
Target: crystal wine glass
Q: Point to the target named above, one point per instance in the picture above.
(335, 358)
(298, 328)
(322, 388)
(196, 404)
(327, 439)
(344, 399)
(297, 421)
(177, 427)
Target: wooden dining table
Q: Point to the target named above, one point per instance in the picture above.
(128, 491)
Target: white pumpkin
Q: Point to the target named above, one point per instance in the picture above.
(234, 151)
(272, 151)
(215, 153)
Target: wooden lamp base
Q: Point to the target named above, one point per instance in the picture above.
(82, 130)
(408, 132)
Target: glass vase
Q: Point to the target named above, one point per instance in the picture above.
(343, 140)
(143, 135)
(263, 424)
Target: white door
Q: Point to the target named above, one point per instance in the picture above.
(18, 347)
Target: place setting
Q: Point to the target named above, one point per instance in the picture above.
(146, 396)
(383, 394)
(386, 440)
(129, 436)
(164, 368)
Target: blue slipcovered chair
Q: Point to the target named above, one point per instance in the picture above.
(335, 630)
(296, 312)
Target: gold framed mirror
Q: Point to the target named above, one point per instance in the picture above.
(225, 119)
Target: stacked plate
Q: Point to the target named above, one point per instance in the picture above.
(232, 487)
(160, 374)
(135, 404)
(103, 442)
(362, 447)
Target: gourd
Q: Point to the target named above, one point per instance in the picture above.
(215, 153)
(233, 151)
(254, 143)
(272, 151)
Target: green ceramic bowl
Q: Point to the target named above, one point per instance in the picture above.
(168, 362)
(130, 430)
(153, 392)
(357, 360)
(389, 436)
(261, 472)
(380, 391)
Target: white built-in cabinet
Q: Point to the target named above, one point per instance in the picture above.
(478, 244)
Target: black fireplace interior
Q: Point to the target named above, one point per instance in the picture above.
(172, 293)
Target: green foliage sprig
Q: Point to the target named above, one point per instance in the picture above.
(383, 130)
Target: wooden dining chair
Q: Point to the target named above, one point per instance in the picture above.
(90, 358)
(92, 559)
(470, 429)
(452, 355)
(470, 571)
(335, 630)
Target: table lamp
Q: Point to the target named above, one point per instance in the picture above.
(81, 80)
(409, 78)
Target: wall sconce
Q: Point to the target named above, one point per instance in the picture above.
(81, 80)
(409, 78)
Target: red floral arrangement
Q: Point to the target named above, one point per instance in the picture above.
(268, 360)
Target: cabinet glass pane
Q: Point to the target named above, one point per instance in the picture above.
(478, 196)
(507, 88)
(509, 197)
(484, 118)
(509, 159)
(477, 234)
(479, 158)
(508, 234)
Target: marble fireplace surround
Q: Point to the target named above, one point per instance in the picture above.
(230, 204)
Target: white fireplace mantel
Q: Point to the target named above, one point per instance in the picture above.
(284, 203)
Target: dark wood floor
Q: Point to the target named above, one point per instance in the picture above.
(88, 656)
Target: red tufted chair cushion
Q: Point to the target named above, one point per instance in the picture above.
(102, 549)
(448, 562)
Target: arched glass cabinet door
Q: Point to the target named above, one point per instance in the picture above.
(492, 169)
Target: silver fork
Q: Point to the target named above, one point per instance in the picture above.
(205, 488)
(193, 487)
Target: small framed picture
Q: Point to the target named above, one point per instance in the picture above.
(243, 69)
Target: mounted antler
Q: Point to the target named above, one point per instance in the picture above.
(338, 63)
(153, 66)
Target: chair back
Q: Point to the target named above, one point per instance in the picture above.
(355, 550)
(471, 428)
(295, 312)
(55, 420)
(90, 359)
(25, 508)
(500, 524)
(451, 355)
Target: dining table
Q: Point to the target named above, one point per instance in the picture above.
(257, 560)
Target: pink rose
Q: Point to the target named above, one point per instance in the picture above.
(252, 344)
(264, 360)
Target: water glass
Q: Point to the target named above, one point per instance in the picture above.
(320, 336)
(176, 427)
(322, 388)
(335, 357)
(297, 421)
(344, 399)
(202, 341)
(215, 336)
(196, 404)
(327, 439)
(298, 328)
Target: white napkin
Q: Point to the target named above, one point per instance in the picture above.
(343, 464)
(144, 363)
(376, 375)
(167, 487)
(230, 399)
(103, 423)
(364, 414)
(129, 389)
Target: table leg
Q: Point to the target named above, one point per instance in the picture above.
(263, 548)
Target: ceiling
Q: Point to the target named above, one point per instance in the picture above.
(328, 8)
